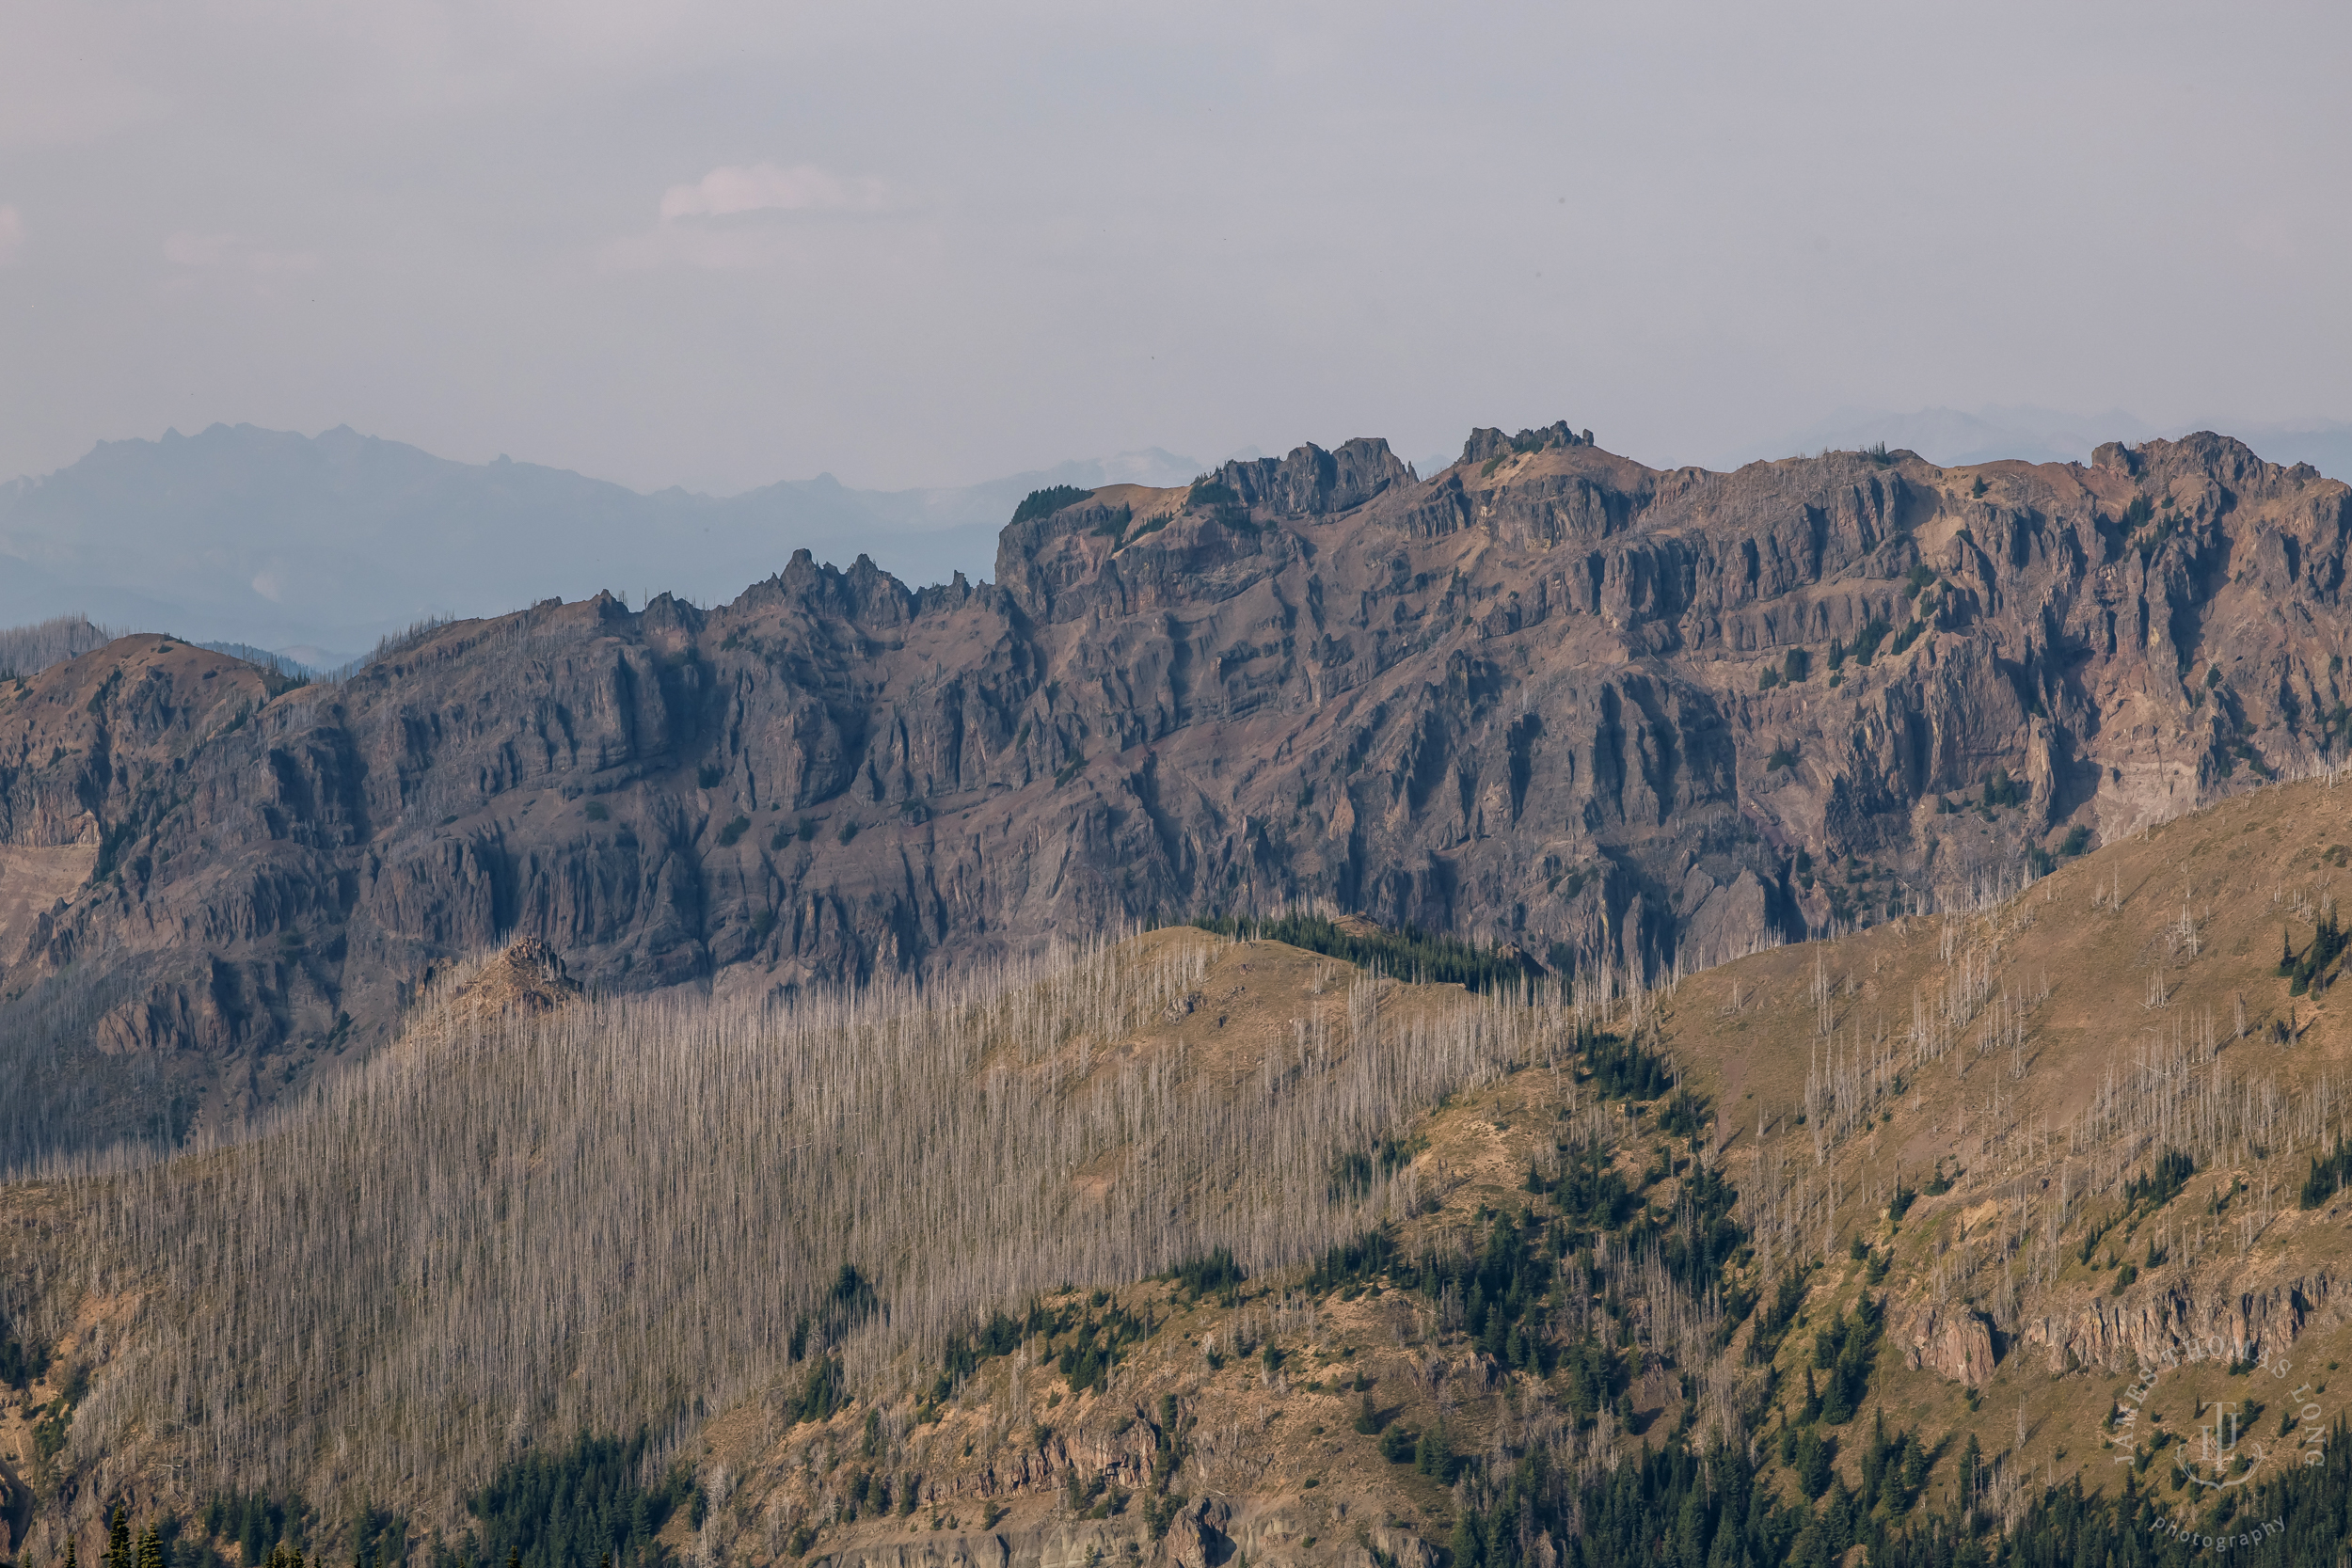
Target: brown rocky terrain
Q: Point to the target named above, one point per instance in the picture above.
(1957, 1116)
(2029, 1057)
(2009, 1070)
(1623, 718)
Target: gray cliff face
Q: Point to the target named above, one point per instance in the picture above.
(1524, 698)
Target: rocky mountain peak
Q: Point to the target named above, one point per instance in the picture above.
(1311, 481)
(1485, 443)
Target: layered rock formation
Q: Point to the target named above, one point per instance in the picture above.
(1615, 715)
(1954, 1345)
(2256, 1315)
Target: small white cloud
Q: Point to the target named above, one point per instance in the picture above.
(11, 235)
(737, 217)
(187, 248)
(729, 192)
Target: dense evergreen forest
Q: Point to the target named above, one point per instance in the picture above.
(593, 1502)
(1676, 1507)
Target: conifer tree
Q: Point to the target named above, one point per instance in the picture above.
(119, 1540)
(150, 1548)
(1467, 1549)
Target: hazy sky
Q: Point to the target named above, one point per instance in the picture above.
(718, 245)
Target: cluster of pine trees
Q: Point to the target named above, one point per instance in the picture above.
(261, 1527)
(1619, 1066)
(1046, 502)
(149, 1550)
(600, 1499)
(1408, 954)
(1675, 1506)
(2162, 1183)
(2329, 1174)
(1084, 1339)
(22, 1364)
(2308, 970)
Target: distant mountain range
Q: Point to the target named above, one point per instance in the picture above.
(317, 546)
(314, 547)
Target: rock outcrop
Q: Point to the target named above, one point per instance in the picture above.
(1954, 1343)
(2183, 1319)
(1613, 715)
(529, 978)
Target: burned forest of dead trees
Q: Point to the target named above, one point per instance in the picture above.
(624, 1214)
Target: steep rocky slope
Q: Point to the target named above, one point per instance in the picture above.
(1623, 718)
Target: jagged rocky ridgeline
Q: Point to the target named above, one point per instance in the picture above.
(1625, 718)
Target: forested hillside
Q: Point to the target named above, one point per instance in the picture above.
(1622, 721)
(2007, 1233)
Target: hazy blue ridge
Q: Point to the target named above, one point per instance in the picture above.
(306, 544)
